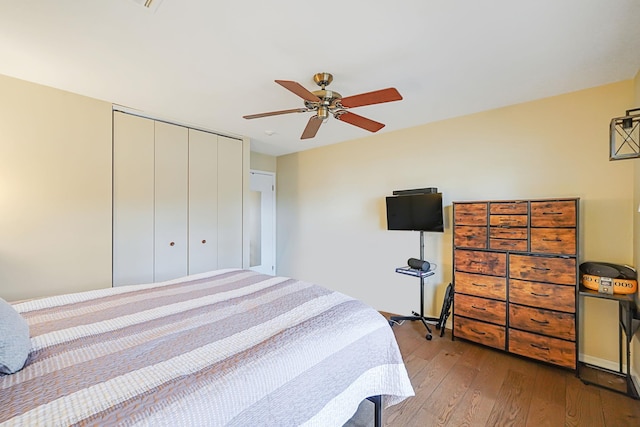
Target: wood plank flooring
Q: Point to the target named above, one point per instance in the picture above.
(458, 383)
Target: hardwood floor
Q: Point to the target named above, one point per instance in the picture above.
(458, 383)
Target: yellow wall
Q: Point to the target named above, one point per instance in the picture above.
(263, 162)
(331, 218)
(55, 191)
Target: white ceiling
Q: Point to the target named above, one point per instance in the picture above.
(207, 63)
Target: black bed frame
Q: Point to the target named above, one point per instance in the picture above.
(377, 411)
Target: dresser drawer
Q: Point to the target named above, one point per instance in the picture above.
(481, 308)
(481, 285)
(480, 332)
(545, 322)
(508, 220)
(543, 348)
(543, 269)
(543, 295)
(508, 238)
(508, 233)
(560, 241)
(470, 237)
(470, 213)
(491, 263)
(509, 208)
(508, 245)
(553, 214)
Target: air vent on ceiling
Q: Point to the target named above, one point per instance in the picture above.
(151, 5)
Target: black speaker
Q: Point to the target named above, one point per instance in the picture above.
(427, 190)
(419, 264)
(606, 269)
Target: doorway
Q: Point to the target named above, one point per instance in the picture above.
(262, 222)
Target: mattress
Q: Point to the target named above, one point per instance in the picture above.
(228, 347)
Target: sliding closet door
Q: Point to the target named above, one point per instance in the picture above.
(171, 172)
(203, 201)
(133, 140)
(229, 203)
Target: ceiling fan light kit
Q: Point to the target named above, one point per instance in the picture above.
(326, 102)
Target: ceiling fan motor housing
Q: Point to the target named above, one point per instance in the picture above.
(328, 99)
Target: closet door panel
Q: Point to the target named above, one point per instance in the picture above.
(203, 201)
(229, 203)
(133, 169)
(171, 173)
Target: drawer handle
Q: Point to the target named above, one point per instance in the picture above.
(539, 295)
(478, 308)
(172, 244)
(480, 285)
(478, 262)
(551, 213)
(477, 332)
(540, 268)
(540, 347)
(541, 322)
(552, 240)
(204, 241)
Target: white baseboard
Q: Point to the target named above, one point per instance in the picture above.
(612, 366)
(602, 363)
(635, 377)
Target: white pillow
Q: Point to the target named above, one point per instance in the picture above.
(14, 339)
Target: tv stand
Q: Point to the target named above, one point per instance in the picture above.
(422, 275)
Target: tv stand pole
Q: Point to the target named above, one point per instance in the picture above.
(422, 275)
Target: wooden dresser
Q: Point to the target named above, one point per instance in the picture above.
(516, 276)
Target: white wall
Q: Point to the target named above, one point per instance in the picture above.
(55, 191)
(331, 212)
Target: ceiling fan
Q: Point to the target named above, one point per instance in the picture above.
(325, 102)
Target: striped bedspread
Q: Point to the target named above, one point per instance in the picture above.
(229, 347)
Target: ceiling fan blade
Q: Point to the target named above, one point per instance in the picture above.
(369, 98)
(298, 89)
(275, 113)
(312, 127)
(361, 122)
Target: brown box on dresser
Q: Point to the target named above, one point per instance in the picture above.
(516, 277)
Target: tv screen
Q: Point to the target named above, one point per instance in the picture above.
(417, 212)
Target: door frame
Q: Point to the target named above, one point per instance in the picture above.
(273, 213)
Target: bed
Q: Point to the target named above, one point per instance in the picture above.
(228, 347)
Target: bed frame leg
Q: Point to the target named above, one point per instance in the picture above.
(377, 412)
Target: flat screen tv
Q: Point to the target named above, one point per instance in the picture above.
(417, 212)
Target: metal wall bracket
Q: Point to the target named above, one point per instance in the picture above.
(625, 136)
